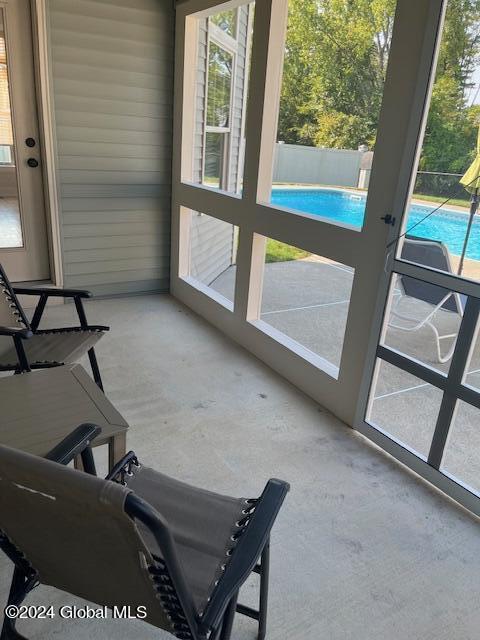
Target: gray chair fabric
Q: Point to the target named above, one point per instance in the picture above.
(202, 524)
(72, 529)
(434, 254)
(63, 347)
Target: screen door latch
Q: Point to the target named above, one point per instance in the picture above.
(388, 219)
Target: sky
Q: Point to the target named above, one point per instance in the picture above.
(473, 94)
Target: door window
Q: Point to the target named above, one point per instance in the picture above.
(10, 223)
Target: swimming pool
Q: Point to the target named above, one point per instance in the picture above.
(446, 225)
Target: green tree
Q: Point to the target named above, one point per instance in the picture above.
(452, 126)
(335, 66)
(450, 137)
(301, 68)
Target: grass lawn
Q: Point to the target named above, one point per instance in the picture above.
(459, 202)
(281, 252)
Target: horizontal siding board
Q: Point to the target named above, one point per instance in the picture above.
(77, 148)
(145, 5)
(160, 253)
(115, 266)
(207, 275)
(216, 261)
(113, 177)
(145, 166)
(99, 43)
(115, 190)
(112, 107)
(89, 218)
(114, 136)
(75, 118)
(211, 243)
(92, 88)
(218, 258)
(117, 229)
(122, 31)
(136, 275)
(216, 240)
(112, 76)
(128, 62)
(118, 242)
(100, 205)
(133, 13)
(112, 68)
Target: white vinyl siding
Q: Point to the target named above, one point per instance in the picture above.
(238, 97)
(212, 243)
(112, 71)
(201, 90)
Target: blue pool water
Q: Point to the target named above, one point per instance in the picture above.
(446, 225)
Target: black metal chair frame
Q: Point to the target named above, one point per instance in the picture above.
(216, 622)
(27, 329)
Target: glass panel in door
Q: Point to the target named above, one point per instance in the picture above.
(335, 66)
(10, 223)
(427, 354)
(442, 221)
(23, 231)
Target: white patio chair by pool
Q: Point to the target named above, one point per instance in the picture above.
(434, 254)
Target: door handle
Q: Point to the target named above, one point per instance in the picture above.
(32, 162)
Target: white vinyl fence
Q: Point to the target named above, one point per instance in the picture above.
(313, 165)
(212, 241)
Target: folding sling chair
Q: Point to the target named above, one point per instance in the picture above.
(434, 254)
(35, 348)
(135, 539)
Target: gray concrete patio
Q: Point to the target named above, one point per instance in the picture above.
(363, 550)
(308, 301)
(304, 299)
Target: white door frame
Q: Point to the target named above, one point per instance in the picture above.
(48, 147)
(46, 151)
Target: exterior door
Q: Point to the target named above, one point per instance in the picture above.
(422, 394)
(23, 236)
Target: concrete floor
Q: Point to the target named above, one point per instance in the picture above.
(305, 300)
(308, 301)
(362, 550)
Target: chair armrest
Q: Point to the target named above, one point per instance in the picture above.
(13, 332)
(76, 443)
(51, 291)
(46, 292)
(121, 465)
(247, 551)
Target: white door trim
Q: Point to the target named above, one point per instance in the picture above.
(46, 117)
